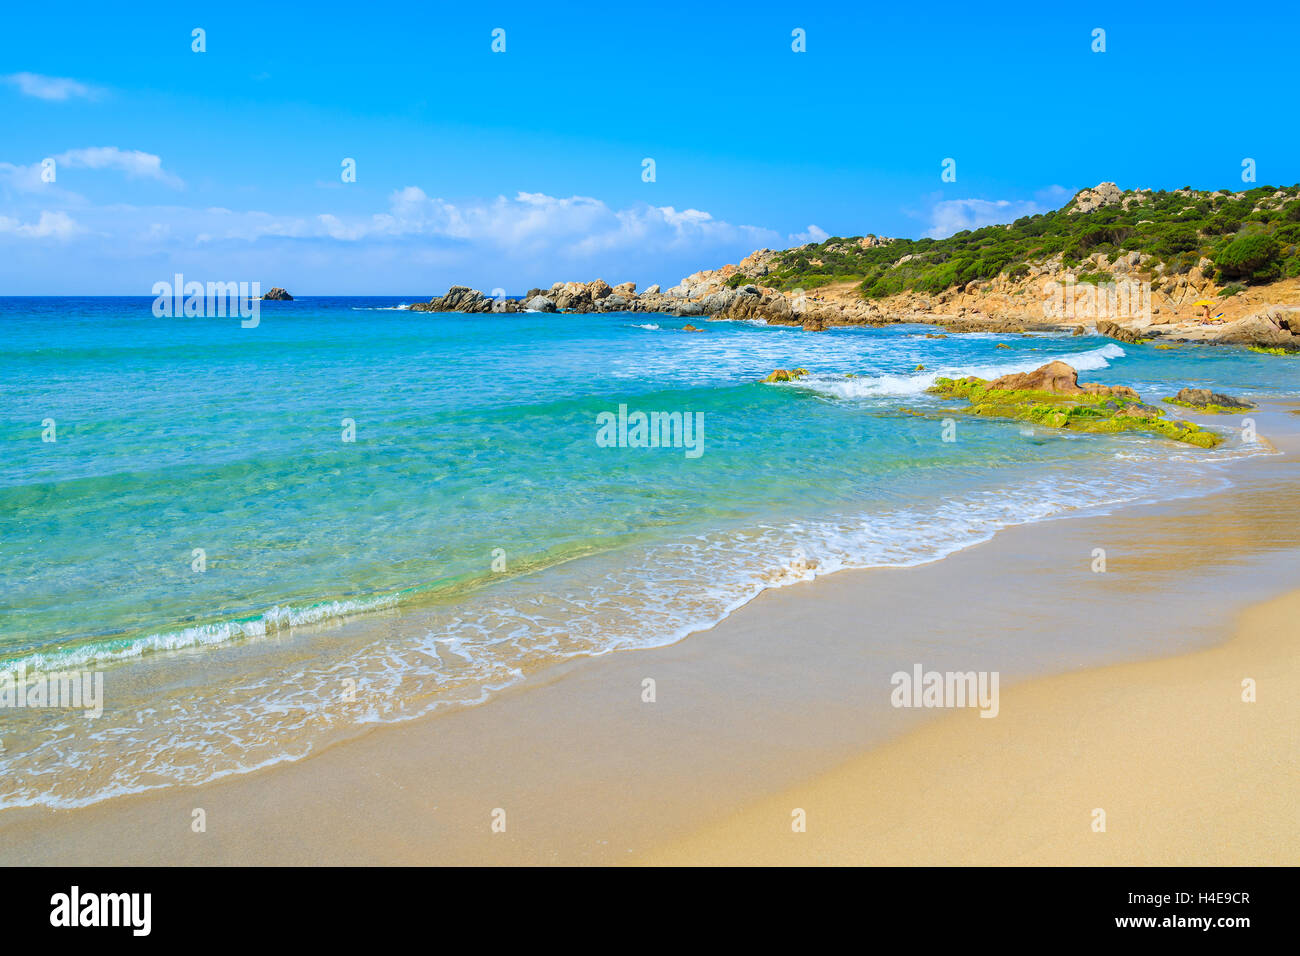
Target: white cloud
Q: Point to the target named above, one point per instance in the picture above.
(811, 234)
(1055, 195)
(529, 221)
(132, 162)
(51, 225)
(22, 178)
(686, 218)
(51, 87)
(416, 242)
(954, 215)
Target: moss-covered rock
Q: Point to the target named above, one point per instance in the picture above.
(1204, 400)
(1066, 404)
(1206, 409)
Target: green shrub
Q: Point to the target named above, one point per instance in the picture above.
(1094, 278)
(1173, 231)
(1253, 258)
(1288, 234)
(1176, 238)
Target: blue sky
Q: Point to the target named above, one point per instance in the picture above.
(525, 167)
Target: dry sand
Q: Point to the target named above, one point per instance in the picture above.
(1185, 769)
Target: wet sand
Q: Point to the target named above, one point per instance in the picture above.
(791, 695)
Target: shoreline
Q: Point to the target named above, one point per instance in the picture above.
(1261, 318)
(747, 709)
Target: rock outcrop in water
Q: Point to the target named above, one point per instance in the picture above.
(278, 294)
(1052, 396)
(1059, 378)
(1204, 400)
(460, 298)
(1117, 332)
(745, 302)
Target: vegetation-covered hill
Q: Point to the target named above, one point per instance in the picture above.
(1248, 237)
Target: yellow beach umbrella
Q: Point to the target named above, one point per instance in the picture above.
(1199, 302)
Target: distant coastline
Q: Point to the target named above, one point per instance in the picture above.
(1135, 265)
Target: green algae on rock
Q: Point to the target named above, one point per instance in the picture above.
(1052, 396)
(786, 375)
(1204, 400)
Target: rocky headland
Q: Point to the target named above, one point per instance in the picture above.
(1133, 297)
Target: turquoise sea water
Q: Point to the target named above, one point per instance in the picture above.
(475, 530)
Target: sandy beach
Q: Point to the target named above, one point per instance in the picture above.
(1118, 692)
(1186, 767)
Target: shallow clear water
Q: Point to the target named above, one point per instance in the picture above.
(475, 524)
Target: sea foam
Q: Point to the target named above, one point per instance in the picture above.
(917, 383)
